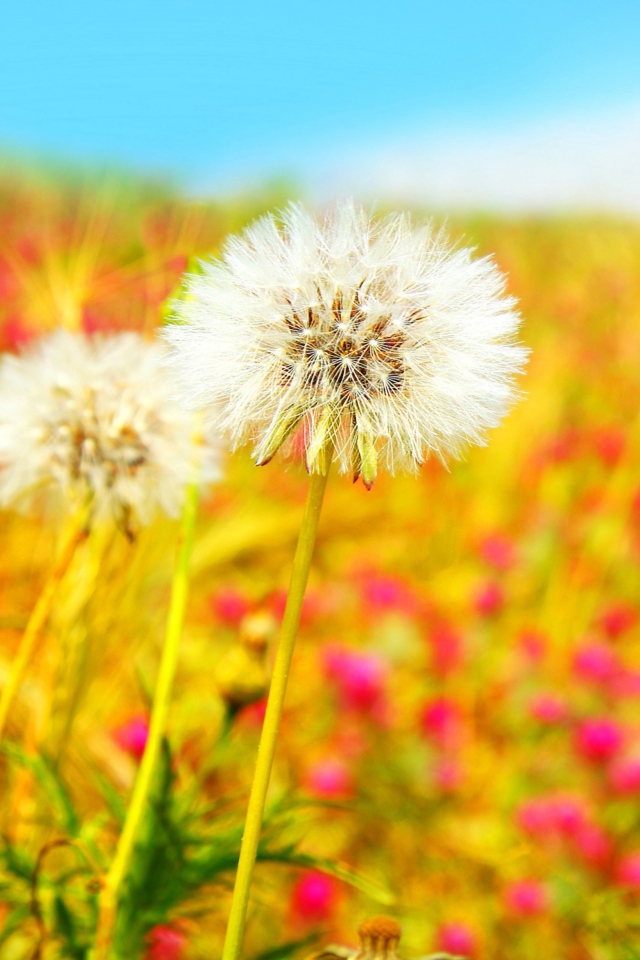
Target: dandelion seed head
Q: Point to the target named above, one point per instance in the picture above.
(84, 417)
(377, 337)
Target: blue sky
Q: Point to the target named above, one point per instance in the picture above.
(209, 90)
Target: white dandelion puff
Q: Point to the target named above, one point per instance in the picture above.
(96, 418)
(378, 340)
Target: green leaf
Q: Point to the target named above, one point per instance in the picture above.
(51, 782)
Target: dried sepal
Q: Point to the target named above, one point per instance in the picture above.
(320, 448)
(284, 424)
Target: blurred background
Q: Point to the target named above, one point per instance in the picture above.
(461, 745)
(495, 106)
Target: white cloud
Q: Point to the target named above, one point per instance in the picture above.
(580, 163)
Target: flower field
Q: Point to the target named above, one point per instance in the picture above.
(461, 739)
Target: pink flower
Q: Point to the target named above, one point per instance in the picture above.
(598, 739)
(526, 898)
(165, 943)
(489, 599)
(330, 778)
(381, 593)
(548, 708)
(132, 736)
(456, 938)
(559, 814)
(359, 677)
(617, 619)
(499, 551)
(624, 776)
(627, 872)
(596, 662)
(593, 844)
(314, 897)
(230, 606)
(536, 816)
(569, 814)
(441, 721)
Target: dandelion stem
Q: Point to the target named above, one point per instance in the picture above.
(266, 750)
(146, 775)
(75, 534)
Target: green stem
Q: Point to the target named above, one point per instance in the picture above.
(144, 781)
(266, 750)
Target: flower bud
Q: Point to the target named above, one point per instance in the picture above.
(242, 675)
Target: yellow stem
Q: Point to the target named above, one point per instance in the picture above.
(145, 779)
(40, 613)
(266, 750)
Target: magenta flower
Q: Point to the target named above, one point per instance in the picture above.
(560, 815)
(627, 873)
(330, 778)
(359, 677)
(598, 739)
(456, 938)
(132, 736)
(314, 897)
(526, 898)
(569, 814)
(441, 722)
(624, 776)
(596, 662)
(230, 606)
(382, 593)
(593, 844)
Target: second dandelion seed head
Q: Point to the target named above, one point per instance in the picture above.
(85, 418)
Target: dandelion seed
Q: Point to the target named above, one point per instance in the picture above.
(378, 339)
(84, 417)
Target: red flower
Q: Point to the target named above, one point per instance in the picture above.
(165, 943)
